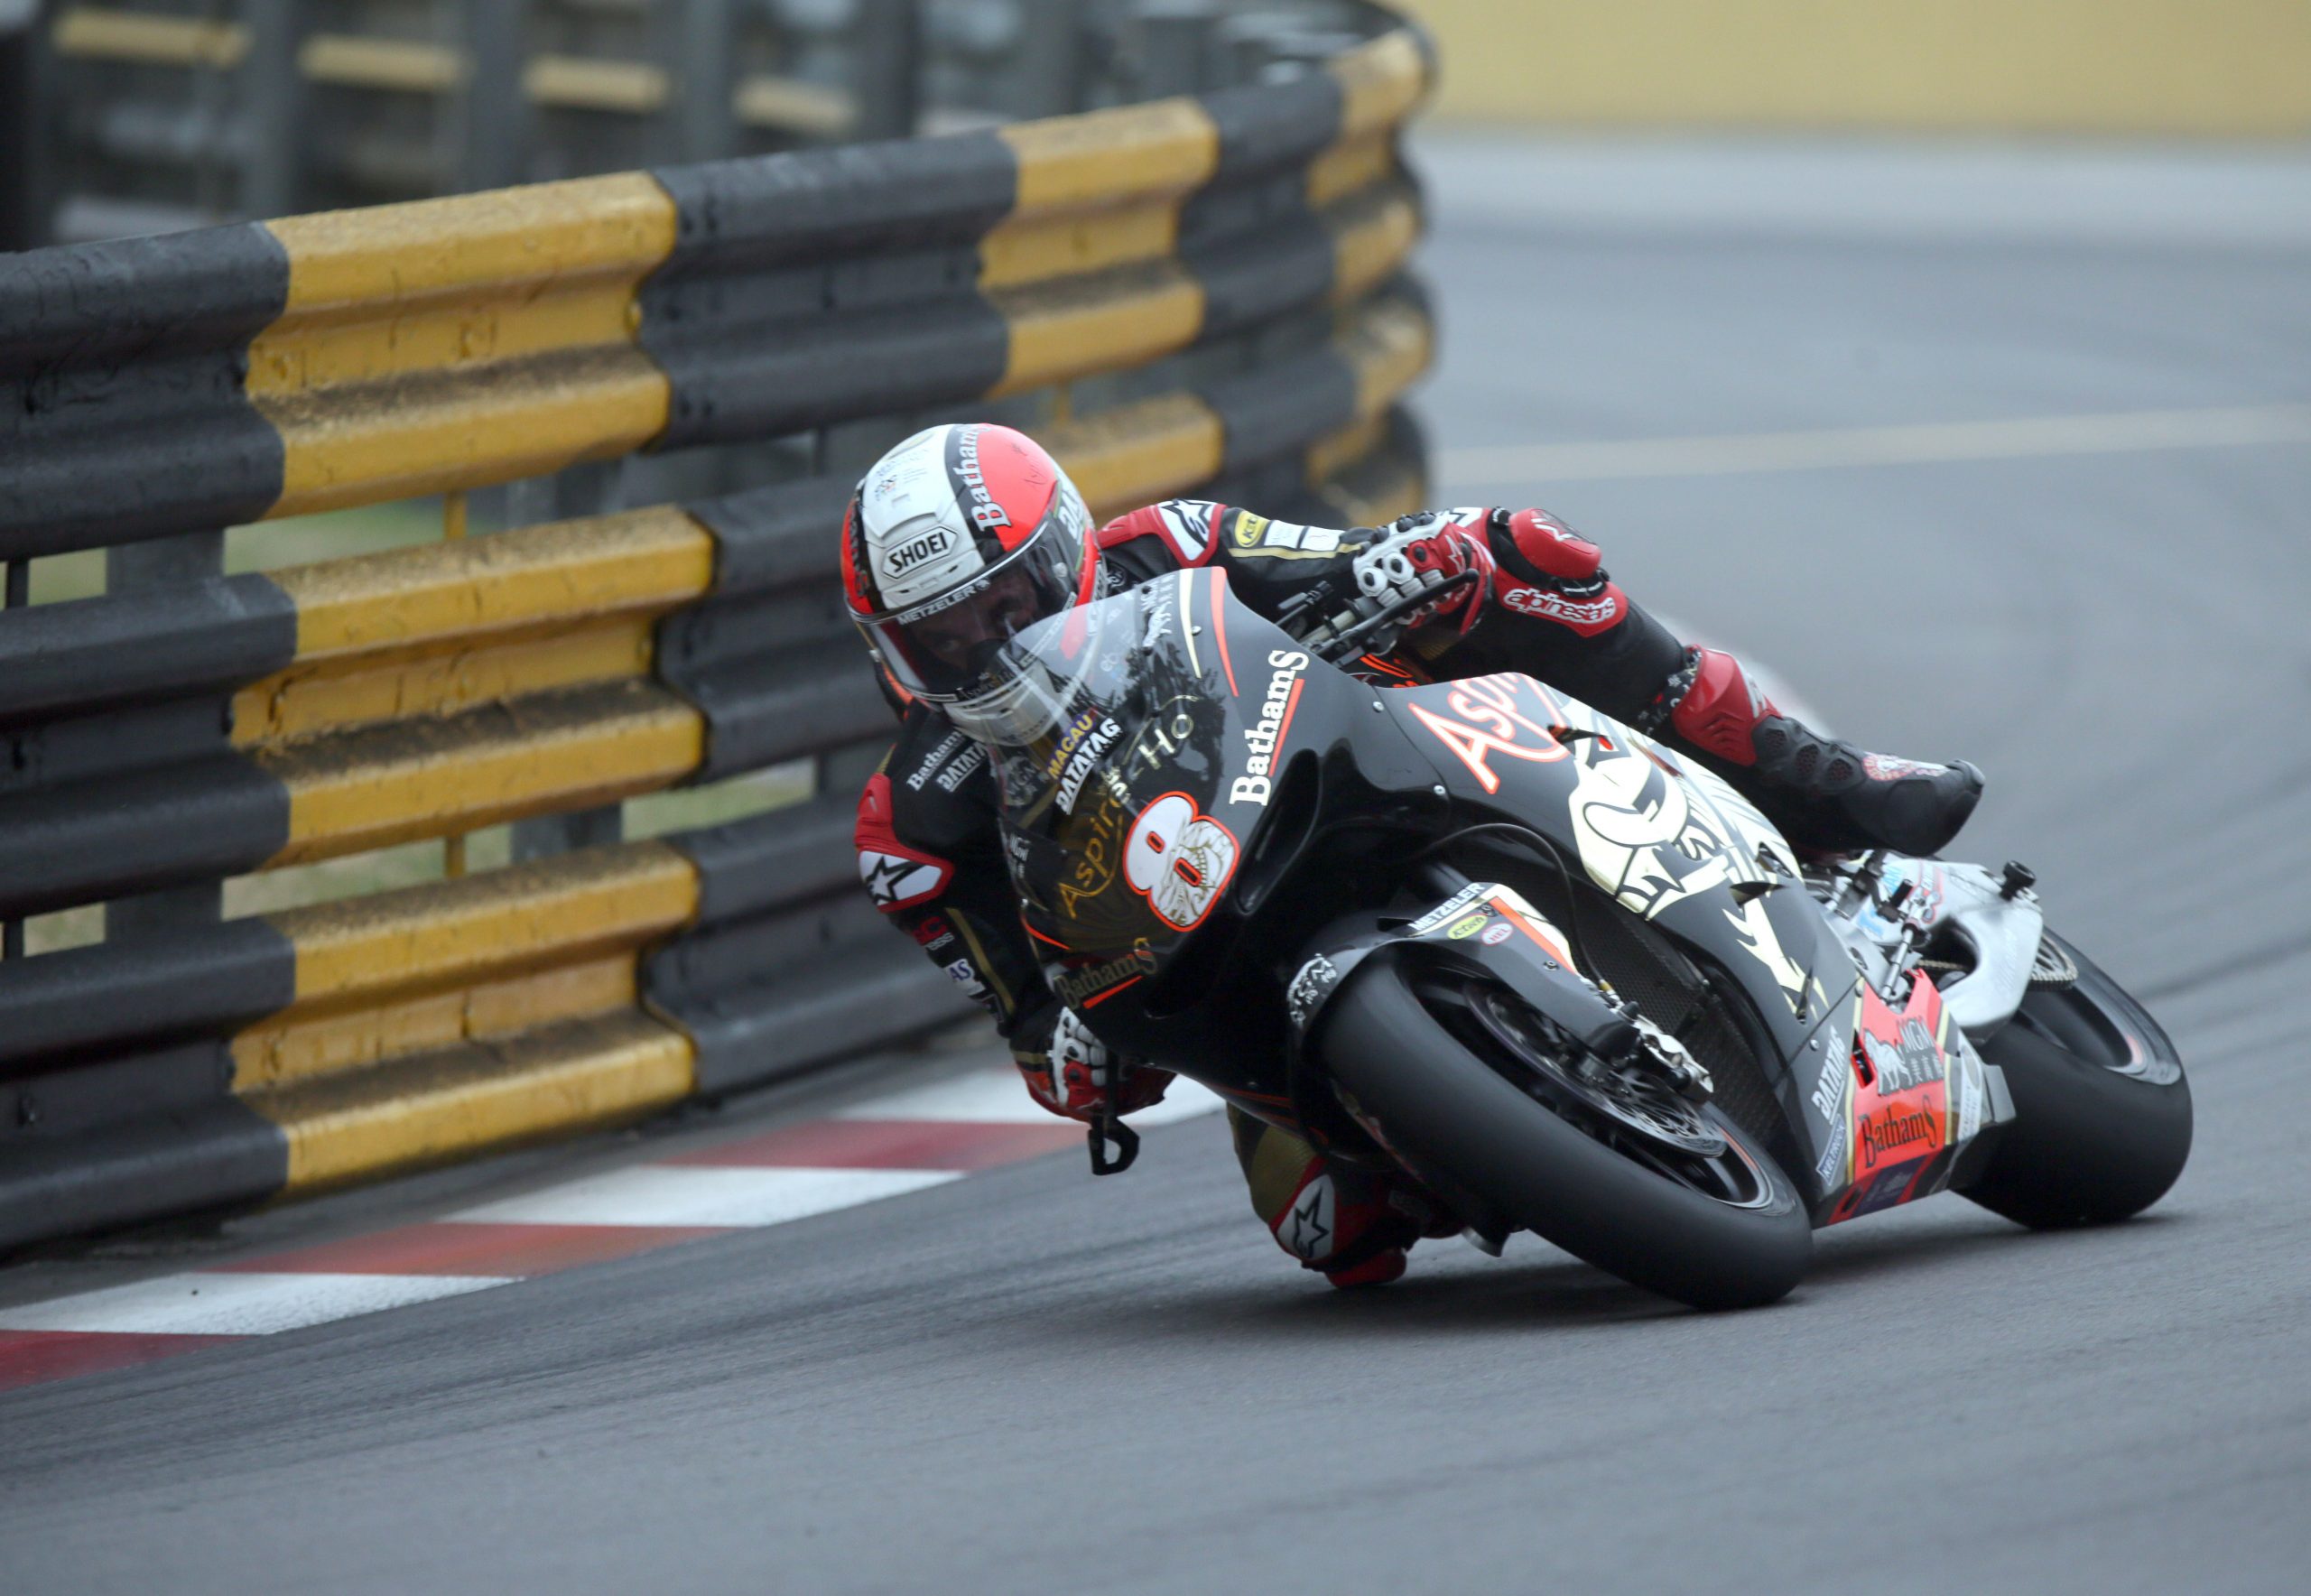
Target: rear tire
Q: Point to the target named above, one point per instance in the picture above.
(1466, 1128)
(2103, 1113)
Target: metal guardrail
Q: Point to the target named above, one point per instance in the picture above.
(1194, 292)
(201, 113)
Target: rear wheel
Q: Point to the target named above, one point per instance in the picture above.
(1479, 1095)
(2103, 1113)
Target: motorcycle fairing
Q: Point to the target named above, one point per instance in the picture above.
(1914, 1093)
(2000, 933)
(1207, 736)
(1139, 833)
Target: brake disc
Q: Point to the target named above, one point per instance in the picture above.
(1639, 1093)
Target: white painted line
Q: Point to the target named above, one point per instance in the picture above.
(998, 1097)
(1929, 443)
(687, 1195)
(237, 1303)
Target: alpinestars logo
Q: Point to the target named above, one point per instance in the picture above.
(1557, 606)
(895, 881)
(1187, 524)
(1263, 736)
(1307, 1229)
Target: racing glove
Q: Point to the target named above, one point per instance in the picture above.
(1080, 1077)
(1424, 550)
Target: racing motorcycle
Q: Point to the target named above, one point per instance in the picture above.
(1565, 977)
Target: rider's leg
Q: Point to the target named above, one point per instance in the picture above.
(1822, 793)
(1573, 625)
(1349, 1226)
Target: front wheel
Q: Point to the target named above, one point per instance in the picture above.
(1464, 1083)
(2103, 1113)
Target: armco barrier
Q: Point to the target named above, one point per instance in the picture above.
(1238, 254)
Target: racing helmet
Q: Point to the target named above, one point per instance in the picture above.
(956, 542)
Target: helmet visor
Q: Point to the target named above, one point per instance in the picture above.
(952, 651)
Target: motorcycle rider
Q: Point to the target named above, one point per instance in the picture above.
(965, 535)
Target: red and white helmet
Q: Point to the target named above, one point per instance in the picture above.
(957, 541)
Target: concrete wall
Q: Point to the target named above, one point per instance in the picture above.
(2204, 67)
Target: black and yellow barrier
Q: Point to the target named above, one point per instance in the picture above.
(231, 375)
(1238, 254)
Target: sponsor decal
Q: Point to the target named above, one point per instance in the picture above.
(1655, 832)
(1888, 1187)
(1307, 1230)
(1078, 752)
(1505, 715)
(1257, 537)
(1161, 738)
(1156, 601)
(1559, 606)
(1829, 1095)
(968, 978)
(1881, 767)
(1451, 907)
(952, 762)
(1468, 926)
(908, 555)
(944, 601)
(1894, 1128)
(1083, 762)
(1178, 859)
(1082, 986)
(894, 880)
(1097, 845)
(1264, 736)
(1187, 526)
(1497, 933)
(1309, 989)
(1903, 1066)
(986, 514)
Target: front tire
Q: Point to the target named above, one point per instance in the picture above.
(1462, 1122)
(2103, 1113)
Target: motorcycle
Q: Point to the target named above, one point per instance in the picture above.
(1565, 977)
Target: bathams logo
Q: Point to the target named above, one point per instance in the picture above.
(985, 512)
(1895, 1129)
(1079, 987)
(1264, 736)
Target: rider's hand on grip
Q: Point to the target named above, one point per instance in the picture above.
(1421, 552)
(1081, 1077)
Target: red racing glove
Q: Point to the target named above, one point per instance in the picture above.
(1082, 1078)
(1424, 550)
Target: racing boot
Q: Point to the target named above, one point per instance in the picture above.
(1351, 1226)
(1826, 796)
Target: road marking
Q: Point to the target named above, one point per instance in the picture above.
(916, 1139)
(1924, 443)
(993, 1098)
(243, 1302)
(687, 1195)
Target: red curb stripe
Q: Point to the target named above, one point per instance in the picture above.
(33, 1357)
(890, 1144)
(455, 1247)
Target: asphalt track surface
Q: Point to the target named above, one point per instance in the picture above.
(1031, 1381)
